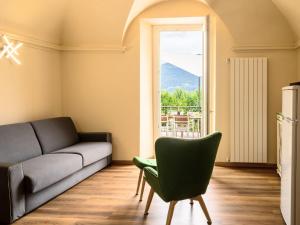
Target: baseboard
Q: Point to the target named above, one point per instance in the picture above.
(246, 165)
(221, 164)
(122, 162)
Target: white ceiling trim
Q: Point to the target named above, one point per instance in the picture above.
(46, 45)
(298, 44)
(115, 49)
(260, 48)
(31, 41)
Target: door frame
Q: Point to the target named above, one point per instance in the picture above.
(156, 72)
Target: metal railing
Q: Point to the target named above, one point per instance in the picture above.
(179, 110)
(181, 121)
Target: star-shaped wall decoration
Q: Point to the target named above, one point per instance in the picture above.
(10, 50)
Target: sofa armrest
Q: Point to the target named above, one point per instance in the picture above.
(12, 193)
(95, 136)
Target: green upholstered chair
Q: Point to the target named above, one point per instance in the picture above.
(141, 163)
(184, 169)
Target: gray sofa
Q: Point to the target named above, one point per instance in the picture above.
(41, 159)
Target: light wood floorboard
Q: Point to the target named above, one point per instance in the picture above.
(235, 196)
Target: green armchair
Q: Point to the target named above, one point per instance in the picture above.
(141, 163)
(184, 169)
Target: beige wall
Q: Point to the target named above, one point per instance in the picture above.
(101, 93)
(101, 90)
(282, 68)
(298, 64)
(32, 90)
(146, 87)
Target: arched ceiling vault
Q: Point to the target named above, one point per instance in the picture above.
(291, 10)
(39, 19)
(139, 6)
(251, 17)
(104, 22)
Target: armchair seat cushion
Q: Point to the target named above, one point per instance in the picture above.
(45, 170)
(142, 162)
(89, 151)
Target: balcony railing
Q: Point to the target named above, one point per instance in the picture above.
(181, 121)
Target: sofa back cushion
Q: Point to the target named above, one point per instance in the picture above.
(18, 143)
(55, 133)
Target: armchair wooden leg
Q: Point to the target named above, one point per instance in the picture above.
(171, 211)
(139, 182)
(150, 197)
(142, 190)
(203, 206)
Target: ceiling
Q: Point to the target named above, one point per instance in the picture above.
(74, 22)
(291, 10)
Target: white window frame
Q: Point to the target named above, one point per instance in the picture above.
(156, 72)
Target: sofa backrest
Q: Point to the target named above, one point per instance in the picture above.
(18, 143)
(56, 133)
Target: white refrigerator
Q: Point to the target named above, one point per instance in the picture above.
(290, 161)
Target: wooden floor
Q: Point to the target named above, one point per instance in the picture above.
(234, 196)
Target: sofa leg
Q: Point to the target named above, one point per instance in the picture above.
(139, 182)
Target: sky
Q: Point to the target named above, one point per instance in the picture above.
(183, 49)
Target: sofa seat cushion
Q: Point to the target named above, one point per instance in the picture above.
(45, 170)
(90, 151)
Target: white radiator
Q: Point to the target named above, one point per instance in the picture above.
(248, 110)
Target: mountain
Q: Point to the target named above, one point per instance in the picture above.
(173, 77)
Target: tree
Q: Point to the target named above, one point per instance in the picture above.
(178, 101)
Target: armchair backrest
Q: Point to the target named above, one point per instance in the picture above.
(185, 165)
